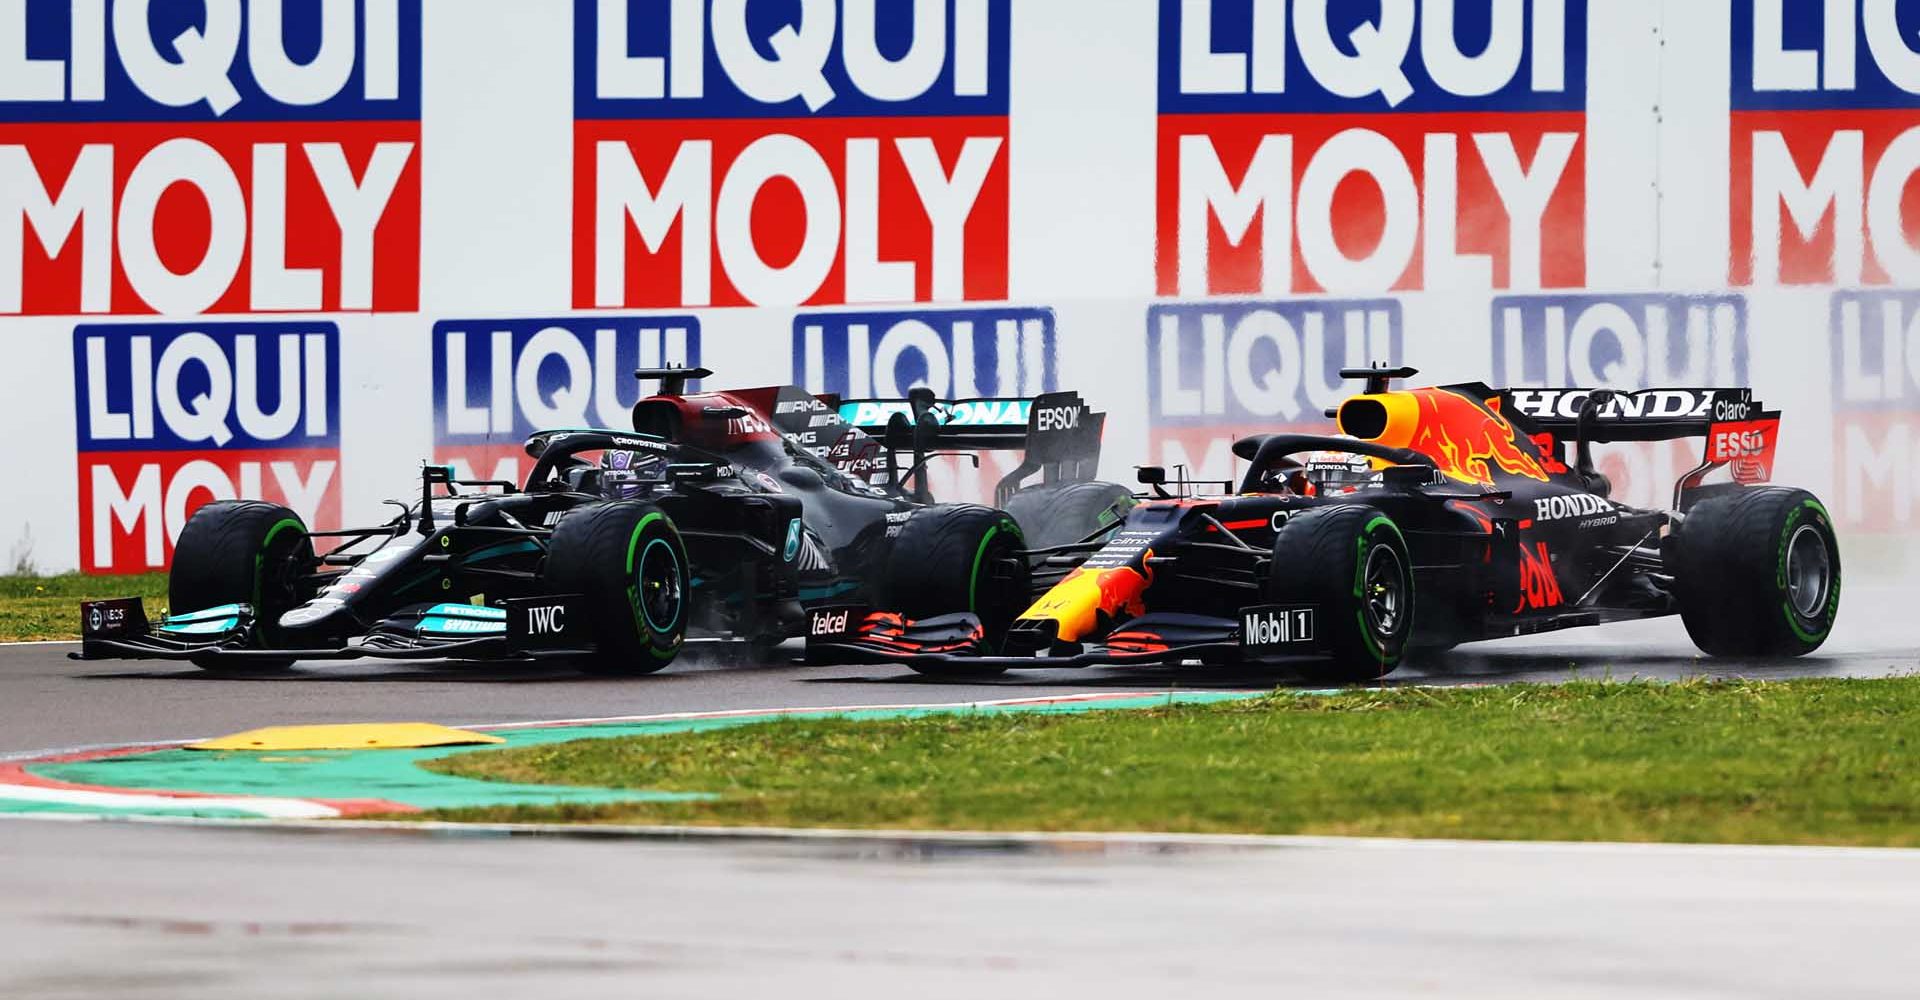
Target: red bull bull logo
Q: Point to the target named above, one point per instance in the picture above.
(1467, 440)
(1110, 587)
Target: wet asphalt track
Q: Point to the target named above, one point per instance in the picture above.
(120, 910)
(48, 701)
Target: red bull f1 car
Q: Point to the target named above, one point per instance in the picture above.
(720, 514)
(1436, 516)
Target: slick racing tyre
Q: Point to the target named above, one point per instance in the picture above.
(1351, 564)
(1757, 573)
(627, 559)
(1062, 515)
(243, 552)
(951, 558)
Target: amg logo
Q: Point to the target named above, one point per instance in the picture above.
(830, 622)
(1057, 418)
(786, 406)
(1272, 626)
(553, 517)
(1573, 505)
(550, 620)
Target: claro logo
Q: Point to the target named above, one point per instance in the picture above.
(174, 416)
(733, 153)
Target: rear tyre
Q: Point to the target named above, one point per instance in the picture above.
(1062, 515)
(243, 552)
(627, 559)
(951, 558)
(1351, 564)
(1757, 573)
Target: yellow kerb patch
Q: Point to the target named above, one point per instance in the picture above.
(351, 736)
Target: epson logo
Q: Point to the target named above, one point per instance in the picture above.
(1057, 418)
(549, 620)
(1573, 505)
(1620, 341)
(959, 354)
(1268, 627)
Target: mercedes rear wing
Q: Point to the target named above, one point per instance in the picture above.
(1741, 434)
(1058, 431)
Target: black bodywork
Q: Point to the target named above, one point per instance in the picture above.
(1509, 529)
(780, 501)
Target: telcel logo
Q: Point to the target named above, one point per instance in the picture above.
(830, 622)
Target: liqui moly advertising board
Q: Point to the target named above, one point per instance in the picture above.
(808, 152)
(1362, 147)
(179, 157)
(174, 416)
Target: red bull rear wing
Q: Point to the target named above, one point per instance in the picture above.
(1740, 432)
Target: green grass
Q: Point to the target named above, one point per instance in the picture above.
(1805, 761)
(48, 607)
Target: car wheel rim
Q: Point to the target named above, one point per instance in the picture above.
(660, 587)
(1809, 570)
(1385, 590)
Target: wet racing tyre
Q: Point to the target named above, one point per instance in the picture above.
(242, 552)
(1062, 515)
(950, 558)
(627, 559)
(1351, 564)
(1757, 573)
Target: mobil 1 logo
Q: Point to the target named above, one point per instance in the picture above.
(1276, 628)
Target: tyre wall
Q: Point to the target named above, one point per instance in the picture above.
(290, 253)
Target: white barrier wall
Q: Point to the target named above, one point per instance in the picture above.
(291, 249)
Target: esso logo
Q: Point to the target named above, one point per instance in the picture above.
(1728, 445)
(1620, 341)
(959, 354)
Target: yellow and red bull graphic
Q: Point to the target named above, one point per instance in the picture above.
(1468, 440)
(1110, 587)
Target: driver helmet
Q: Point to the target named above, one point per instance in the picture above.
(1331, 473)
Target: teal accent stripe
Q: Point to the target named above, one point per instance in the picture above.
(462, 626)
(469, 611)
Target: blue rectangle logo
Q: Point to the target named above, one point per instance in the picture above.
(140, 60)
(207, 386)
(1813, 55)
(1256, 365)
(1636, 341)
(1321, 57)
(790, 58)
(497, 381)
(958, 353)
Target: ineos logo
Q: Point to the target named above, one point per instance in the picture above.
(547, 621)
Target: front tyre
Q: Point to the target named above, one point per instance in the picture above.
(243, 552)
(626, 558)
(1351, 564)
(1757, 573)
(951, 558)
